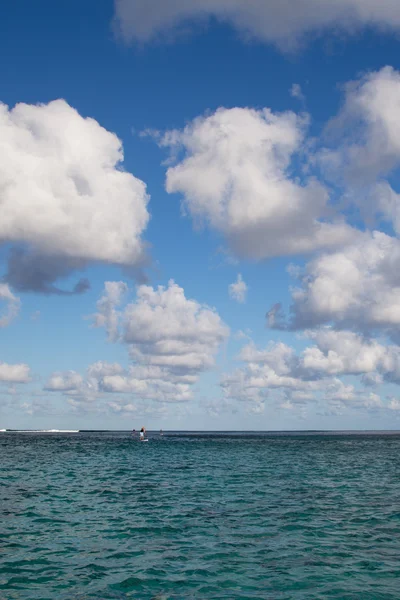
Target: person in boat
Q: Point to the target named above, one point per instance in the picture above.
(142, 434)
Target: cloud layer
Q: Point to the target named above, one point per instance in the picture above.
(66, 202)
(278, 374)
(270, 21)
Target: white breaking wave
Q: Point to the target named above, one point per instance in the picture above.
(40, 430)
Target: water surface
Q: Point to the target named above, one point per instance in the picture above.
(271, 516)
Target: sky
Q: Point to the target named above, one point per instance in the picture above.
(200, 214)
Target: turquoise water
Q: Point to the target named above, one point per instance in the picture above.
(99, 515)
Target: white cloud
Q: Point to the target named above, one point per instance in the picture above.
(108, 315)
(234, 176)
(217, 407)
(367, 129)
(365, 140)
(39, 407)
(358, 286)
(339, 393)
(256, 408)
(243, 335)
(274, 368)
(144, 385)
(238, 290)
(64, 382)
(347, 353)
(372, 379)
(65, 200)
(102, 369)
(123, 408)
(266, 20)
(101, 379)
(385, 202)
(12, 305)
(84, 390)
(123, 384)
(18, 373)
(278, 374)
(338, 352)
(394, 404)
(171, 341)
(296, 92)
(165, 329)
(372, 401)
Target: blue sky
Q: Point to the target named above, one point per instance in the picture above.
(256, 144)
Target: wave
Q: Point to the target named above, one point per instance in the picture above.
(39, 430)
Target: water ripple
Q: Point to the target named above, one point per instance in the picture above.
(293, 517)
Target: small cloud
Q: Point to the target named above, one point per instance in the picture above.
(35, 316)
(155, 134)
(294, 271)
(275, 317)
(372, 379)
(296, 92)
(394, 404)
(238, 290)
(257, 408)
(224, 257)
(108, 315)
(12, 305)
(17, 373)
(243, 335)
(287, 405)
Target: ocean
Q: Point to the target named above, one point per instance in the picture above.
(200, 516)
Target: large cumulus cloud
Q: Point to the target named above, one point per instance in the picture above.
(235, 176)
(65, 200)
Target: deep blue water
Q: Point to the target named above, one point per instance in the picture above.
(271, 516)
